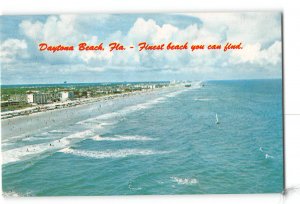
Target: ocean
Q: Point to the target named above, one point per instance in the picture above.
(167, 142)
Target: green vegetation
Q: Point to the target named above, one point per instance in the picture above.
(14, 106)
(15, 97)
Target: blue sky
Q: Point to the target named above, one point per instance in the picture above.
(22, 62)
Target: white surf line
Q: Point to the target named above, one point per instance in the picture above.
(133, 108)
(22, 136)
(58, 131)
(123, 138)
(112, 153)
(184, 181)
(14, 155)
(10, 194)
(203, 99)
(29, 151)
(41, 136)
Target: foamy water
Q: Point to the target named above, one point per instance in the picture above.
(122, 138)
(112, 153)
(184, 181)
(96, 123)
(130, 109)
(203, 99)
(10, 194)
(29, 151)
(162, 143)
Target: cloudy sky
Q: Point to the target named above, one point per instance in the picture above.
(23, 63)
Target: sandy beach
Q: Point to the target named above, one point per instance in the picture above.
(20, 126)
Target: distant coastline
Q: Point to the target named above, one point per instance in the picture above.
(79, 84)
(37, 108)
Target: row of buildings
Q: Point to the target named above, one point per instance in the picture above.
(41, 98)
(62, 95)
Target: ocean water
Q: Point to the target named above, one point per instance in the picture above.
(162, 143)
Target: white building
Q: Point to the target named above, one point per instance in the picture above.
(64, 95)
(29, 98)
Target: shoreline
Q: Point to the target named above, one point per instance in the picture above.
(72, 103)
(22, 125)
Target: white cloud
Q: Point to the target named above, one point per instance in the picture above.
(13, 49)
(249, 27)
(56, 29)
(259, 32)
(64, 30)
(149, 30)
(254, 54)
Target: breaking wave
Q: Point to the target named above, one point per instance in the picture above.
(10, 194)
(184, 181)
(122, 138)
(132, 108)
(111, 153)
(203, 99)
(29, 151)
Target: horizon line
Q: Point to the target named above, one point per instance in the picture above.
(108, 82)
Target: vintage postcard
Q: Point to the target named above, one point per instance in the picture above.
(142, 104)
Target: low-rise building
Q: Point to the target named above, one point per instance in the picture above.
(29, 97)
(42, 98)
(64, 95)
(18, 98)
